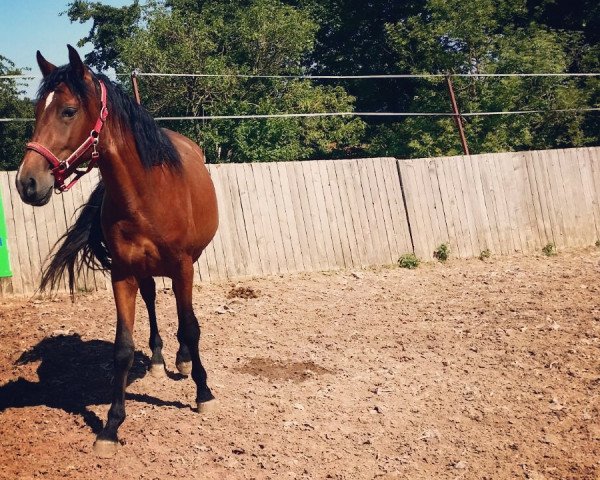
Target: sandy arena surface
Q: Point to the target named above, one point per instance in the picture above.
(469, 369)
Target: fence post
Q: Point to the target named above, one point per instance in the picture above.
(457, 117)
(136, 91)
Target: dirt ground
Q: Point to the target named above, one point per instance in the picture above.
(469, 369)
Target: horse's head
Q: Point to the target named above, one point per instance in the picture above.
(65, 113)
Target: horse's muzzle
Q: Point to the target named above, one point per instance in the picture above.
(32, 193)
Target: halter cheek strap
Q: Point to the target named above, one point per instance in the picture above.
(62, 170)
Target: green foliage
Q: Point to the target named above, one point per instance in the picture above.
(266, 37)
(409, 260)
(13, 135)
(352, 40)
(442, 253)
(597, 243)
(486, 36)
(485, 254)
(549, 250)
(109, 24)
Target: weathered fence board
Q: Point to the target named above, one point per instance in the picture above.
(321, 215)
(332, 232)
(546, 199)
(588, 190)
(592, 169)
(288, 172)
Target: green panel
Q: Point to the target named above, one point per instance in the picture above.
(4, 257)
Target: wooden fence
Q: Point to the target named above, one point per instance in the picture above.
(504, 203)
(323, 215)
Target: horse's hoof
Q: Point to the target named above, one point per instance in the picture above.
(105, 448)
(185, 368)
(207, 407)
(157, 370)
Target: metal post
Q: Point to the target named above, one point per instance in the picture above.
(136, 91)
(457, 117)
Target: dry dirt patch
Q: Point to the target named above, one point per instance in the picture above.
(467, 369)
(281, 370)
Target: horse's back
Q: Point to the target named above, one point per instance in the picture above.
(184, 145)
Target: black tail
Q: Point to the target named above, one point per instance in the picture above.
(82, 245)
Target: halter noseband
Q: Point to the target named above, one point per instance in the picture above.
(63, 170)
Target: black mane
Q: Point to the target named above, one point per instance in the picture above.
(153, 145)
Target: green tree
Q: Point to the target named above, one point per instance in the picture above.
(582, 18)
(352, 39)
(13, 135)
(359, 37)
(487, 36)
(266, 37)
(108, 25)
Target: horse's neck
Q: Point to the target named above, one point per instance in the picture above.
(125, 179)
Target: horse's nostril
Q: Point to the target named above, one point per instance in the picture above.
(30, 188)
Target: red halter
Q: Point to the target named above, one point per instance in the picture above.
(63, 170)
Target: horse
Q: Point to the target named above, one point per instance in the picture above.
(152, 214)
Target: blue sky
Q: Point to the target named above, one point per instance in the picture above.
(30, 25)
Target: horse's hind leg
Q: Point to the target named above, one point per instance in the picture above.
(188, 332)
(148, 291)
(125, 290)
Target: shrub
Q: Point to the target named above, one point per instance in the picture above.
(549, 250)
(442, 253)
(409, 260)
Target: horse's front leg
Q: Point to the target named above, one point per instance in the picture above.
(125, 289)
(188, 333)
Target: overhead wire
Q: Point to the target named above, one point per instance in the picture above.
(339, 77)
(349, 114)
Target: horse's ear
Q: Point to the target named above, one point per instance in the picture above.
(45, 66)
(75, 61)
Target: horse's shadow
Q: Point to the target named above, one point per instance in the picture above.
(73, 374)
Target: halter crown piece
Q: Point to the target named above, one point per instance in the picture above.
(63, 170)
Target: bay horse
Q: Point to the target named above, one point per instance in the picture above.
(153, 213)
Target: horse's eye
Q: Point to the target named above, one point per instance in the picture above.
(69, 112)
